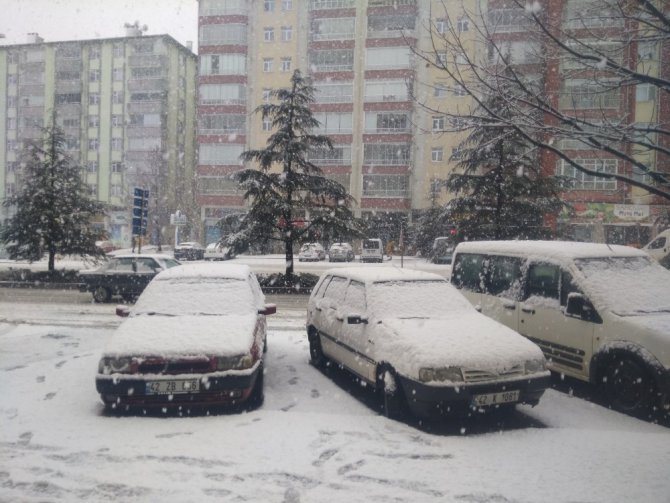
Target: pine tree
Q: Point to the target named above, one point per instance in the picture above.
(53, 214)
(501, 191)
(286, 187)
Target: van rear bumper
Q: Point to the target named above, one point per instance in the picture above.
(436, 401)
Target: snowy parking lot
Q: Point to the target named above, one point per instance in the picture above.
(317, 437)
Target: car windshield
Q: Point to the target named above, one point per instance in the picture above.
(627, 285)
(307, 248)
(415, 299)
(196, 296)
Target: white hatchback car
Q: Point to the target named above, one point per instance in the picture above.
(311, 252)
(412, 336)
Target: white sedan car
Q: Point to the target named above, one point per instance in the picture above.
(416, 339)
(312, 252)
(195, 337)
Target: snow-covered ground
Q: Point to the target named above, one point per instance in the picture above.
(312, 440)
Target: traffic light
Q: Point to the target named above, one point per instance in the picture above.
(140, 211)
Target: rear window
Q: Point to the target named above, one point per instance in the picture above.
(371, 245)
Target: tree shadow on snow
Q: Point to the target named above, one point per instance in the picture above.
(476, 424)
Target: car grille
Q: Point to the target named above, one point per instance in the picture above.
(476, 376)
(161, 366)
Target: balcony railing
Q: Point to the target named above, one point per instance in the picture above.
(223, 101)
(379, 98)
(333, 36)
(333, 68)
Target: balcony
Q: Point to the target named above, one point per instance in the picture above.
(331, 4)
(333, 68)
(148, 84)
(148, 60)
(146, 107)
(144, 131)
(386, 98)
(68, 86)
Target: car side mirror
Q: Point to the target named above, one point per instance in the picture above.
(579, 306)
(357, 319)
(122, 311)
(268, 309)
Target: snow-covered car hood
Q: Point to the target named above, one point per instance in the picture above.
(160, 335)
(467, 340)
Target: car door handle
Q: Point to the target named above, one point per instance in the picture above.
(529, 310)
(509, 306)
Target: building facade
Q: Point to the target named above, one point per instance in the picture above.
(390, 152)
(127, 107)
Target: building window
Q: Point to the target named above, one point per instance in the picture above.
(116, 190)
(387, 57)
(285, 64)
(645, 92)
(463, 25)
(333, 28)
(223, 64)
(94, 75)
(389, 154)
(385, 185)
(391, 90)
(267, 124)
(117, 97)
(93, 121)
(117, 167)
(117, 74)
(117, 144)
(11, 123)
(11, 79)
(440, 90)
(222, 94)
(12, 145)
(287, 5)
(438, 123)
(94, 99)
(333, 60)
(339, 155)
(92, 189)
(93, 144)
(583, 181)
(117, 120)
(441, 25)
(220, 154)
(267, 94)
(10, 189)
(459, 90)
(11, 101)
(286, 33)
(92, 166)
(267, 64)
(269, 5)
(386, 122)
(222, 123)
(456, 153)
(119, 51)
(12, 167)
(221, 34)
(12, 58)
(268, 34)
(441, 59)
(437, 154)
(334, 122)
(94, 53)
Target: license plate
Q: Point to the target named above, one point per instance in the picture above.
(172, 387)
(495, 398)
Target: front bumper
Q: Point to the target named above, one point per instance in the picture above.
(436, 401)
(121, 390)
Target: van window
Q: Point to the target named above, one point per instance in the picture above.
(468, 272)
(657, 243)
(370, 244)
(355, 297)
(543, 281)
(335, 289)
(504, 276)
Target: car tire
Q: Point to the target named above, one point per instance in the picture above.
(257, 395)
(316, 356)
(394, 404)
(101, 294)
(628, 386)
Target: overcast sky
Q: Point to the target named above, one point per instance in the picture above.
(57, 20)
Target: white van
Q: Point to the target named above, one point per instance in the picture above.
(372, 250)
(600, 313)
(659, 248)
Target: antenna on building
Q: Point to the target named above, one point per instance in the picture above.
(134, 29)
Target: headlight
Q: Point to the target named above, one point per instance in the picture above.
(533, 366)
(110, 365)
(239, 362)
(452, 374)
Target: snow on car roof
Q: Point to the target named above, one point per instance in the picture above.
(372, 274)
(550, 249)
(233, 271)
(161, 256)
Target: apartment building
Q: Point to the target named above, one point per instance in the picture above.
(389, 151)
(127, 106)
(605, 210)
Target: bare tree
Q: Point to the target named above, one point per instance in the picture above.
(573, 76)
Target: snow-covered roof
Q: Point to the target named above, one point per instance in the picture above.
(549, 249)
(199, 270)
(371, 274)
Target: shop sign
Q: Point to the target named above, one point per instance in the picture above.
(631, 211)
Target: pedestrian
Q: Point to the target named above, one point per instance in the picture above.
(132, 240)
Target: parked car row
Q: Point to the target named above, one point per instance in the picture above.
(486, 340)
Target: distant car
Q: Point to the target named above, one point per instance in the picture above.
(341, 252)
(414, 338)
(217, 251)
(106, 246)
(196, 337)
(126, 275)
(189, 250)
(443, 250)
(372, 250)
(311, 252)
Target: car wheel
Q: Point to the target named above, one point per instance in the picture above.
(628, 386)
(257, 396)
(101, 294)
(316, 355)
(394, 406)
